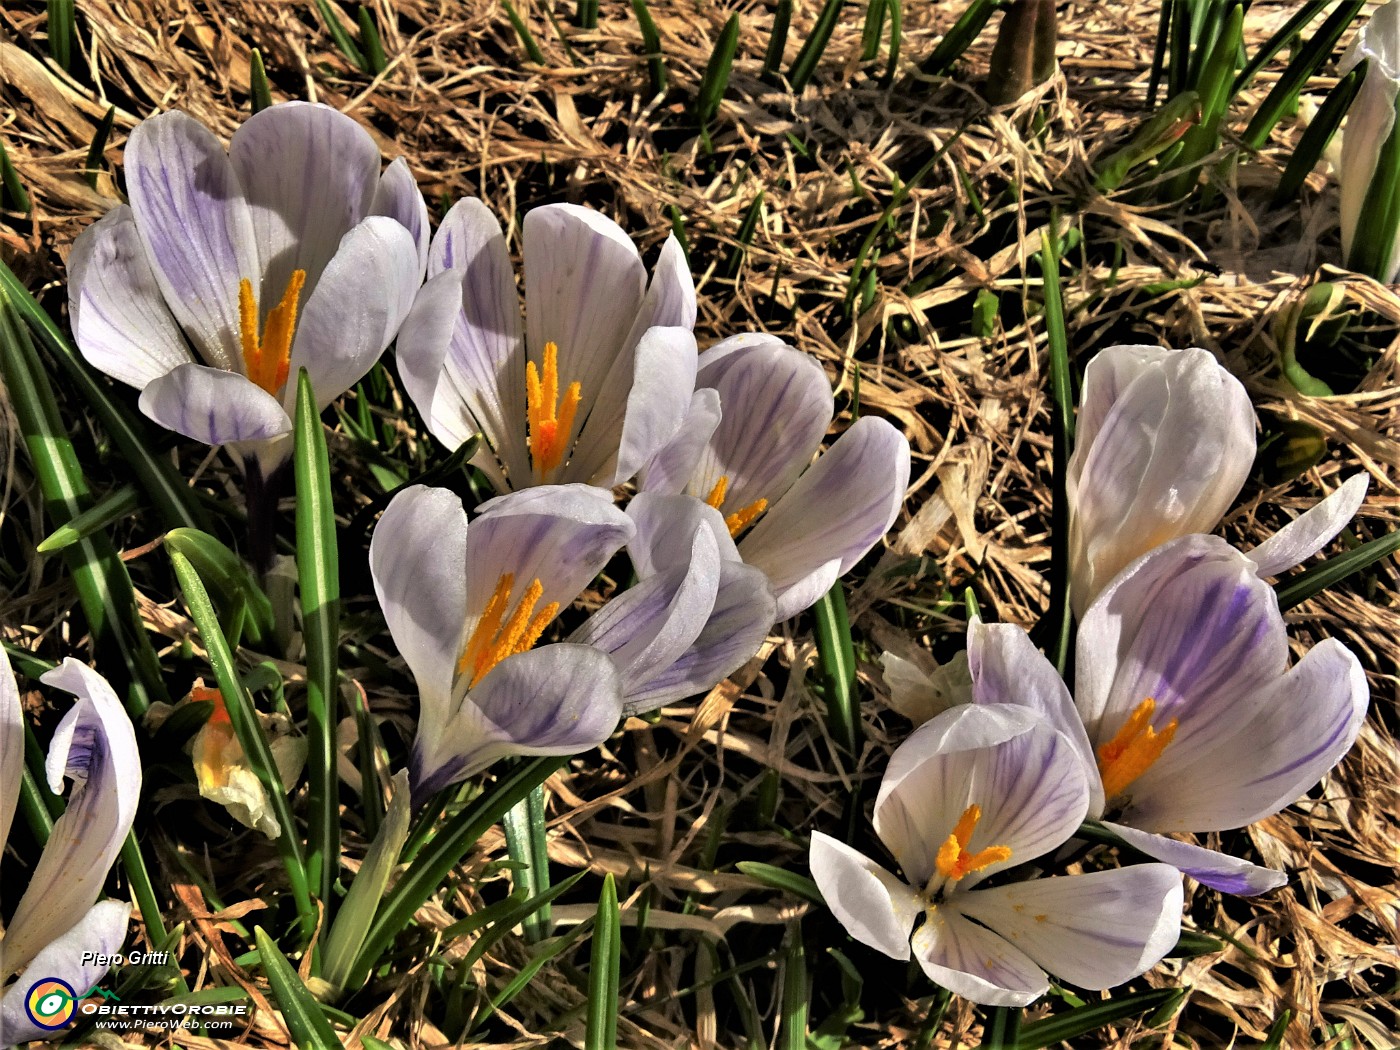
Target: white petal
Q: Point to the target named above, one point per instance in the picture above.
(1216, 870)
(399, 197)
(1312, 530)
(875, 907)
(672, 466)
(670, 298)
(214, 406)
(421, 353)
(664, 525)
(972, 961)
(1372, 113)
(11, 747)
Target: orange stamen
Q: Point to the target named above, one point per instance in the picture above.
(1133, 749)
(495, 637)
(741, 518)
(954, 861)
(201, 694)
(550, 423)
(268, 360)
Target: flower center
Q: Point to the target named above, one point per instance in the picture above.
(214, 752)
(954, 861)
(1133, 749)
(496, 636)
(741, 518)
(549, 421)
(268, 359)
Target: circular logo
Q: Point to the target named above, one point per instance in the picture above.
(50, 1003)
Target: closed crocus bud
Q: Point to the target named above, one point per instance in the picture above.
(1165, 440)
(1364, 175)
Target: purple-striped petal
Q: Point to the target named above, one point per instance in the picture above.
(214, 406)
(364, 294)
(1216, 870)
(664, 526)
(975, 963)
(196, 228)
(834, 514)
(1312, 530)
(671, 467)
(875, 906)
(95, 747)
(309, 173)
(670, 297)
(399, 197)
(120, 320)
(11, 747)
(1094, 931)
(421, 354)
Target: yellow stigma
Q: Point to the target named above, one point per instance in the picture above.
(496, 637)
(550, 422)
(741, 518)
(268, 360)
(1133, 750)
(954, 861)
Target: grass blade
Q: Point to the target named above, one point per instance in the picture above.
(259, 90)
(1264, 54)
(318, 578)
(799, 886)
(603, 972)
(837, 658)
(1274, 1039)
(306, 1024)
(1319, 132)
(239, 597)
(777, 41)
(896, 38)
(374, 46)
(61, 28)
(793, 1018)
(341, 36)
(9, 178)
(586, 14)
(805, 64)
(1159, 52)
(959, 38)
(525, 842)
(527, 972)
(117, 504)
(97, 149)
(716, 79)
(1070, 1025)
(745, 235)
(527, 39)
(651, 40)
(1304, 585)
(1002, 1028)
(1062, 430)
(1213, 87)
(873, 29)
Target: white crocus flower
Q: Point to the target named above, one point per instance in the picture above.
(1165, 440)
(56, 920)
(969, 795)
(1370, 122)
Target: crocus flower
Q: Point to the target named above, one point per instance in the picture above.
(758, 416)
(228, 272)
(589, 386)
(1370, 123)
(1186, 716)
(467, 603)
(969, 795)
(1164, 442)
(56, 920)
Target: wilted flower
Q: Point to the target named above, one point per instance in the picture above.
(56, 921)
(1366, 244)
(230, 271)
(970, 794)
(1186, 716)
(595, 379)
(757, 418)
(1165, 440)
(920, 687)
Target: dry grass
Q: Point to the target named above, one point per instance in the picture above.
(669, 807)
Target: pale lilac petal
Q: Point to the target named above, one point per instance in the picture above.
(11, 746)
(1094, 931)
(120, 320)
(875, 907)
(196, 227)
(835, 513)
(1164, 443)
(484, 367)
(561, 535)
(664, 525)
(421, 352)
(673, 465)
(1370, 118)
(1245, 757)
(101, 930)
(94, 746)
(1219, 871)
(364, 294)
(712, 361)
(213, 406)
(670, 298)
(1023, 774)
(583, 286)
(418, 559)
(399, 197)
(741, 618)
(309, 173)
(777, 404)
(1312, 530)
(973, 962)
(1007, 668)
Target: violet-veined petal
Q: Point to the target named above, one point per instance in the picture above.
(399, 197)
(120, 320)
(214, 406)
(673, 465)
(11, 747)
(972, 961)
(670, 298)
(101, 930)
(1096, 930)
(421, 354)
(355, 310)
(875, 906)
(309, 173)
(834, 514)
(1219, 871)
(1312, 530)
(195, 224)
(95, 746)
(664, 525)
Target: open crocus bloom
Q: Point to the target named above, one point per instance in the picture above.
(228, 272)
(758, 416)
(1370, 122)
(971, 793)
(1164, 442)
(1186, 716)
(56, 920)
(589, 386)
(466, 605)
